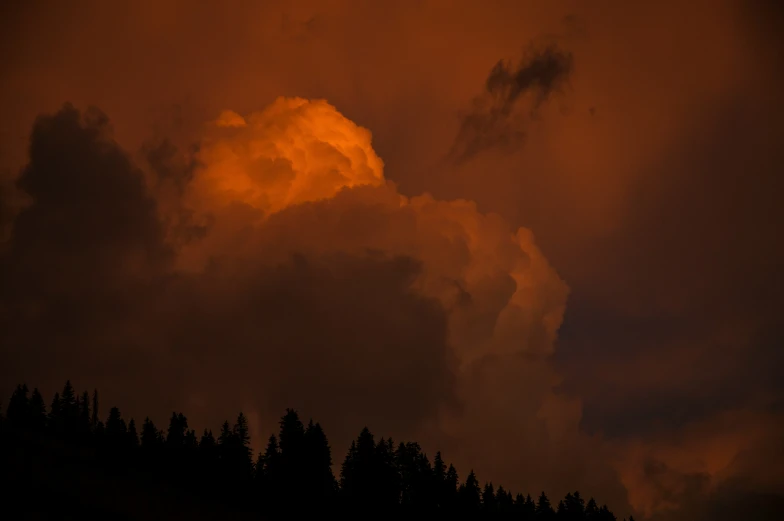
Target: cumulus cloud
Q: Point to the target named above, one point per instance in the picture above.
(313, 283)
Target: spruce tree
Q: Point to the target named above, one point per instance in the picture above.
(320, 482)
(133, 436)
(19, 407)
(469, 494)
(84, 413)
(68, 408)
(55, 415)
(149, 438)
(243, 455)
(37, 412)
(544, 509)
(489, 505)
(94, 417)
(116, 429)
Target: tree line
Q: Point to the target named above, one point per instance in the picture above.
(294, 473)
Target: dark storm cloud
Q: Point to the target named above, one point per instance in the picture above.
(81, 255)
(497, 120)
(340, 337)
(169, 164)
(89, 294)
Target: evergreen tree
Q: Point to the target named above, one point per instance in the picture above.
(605, 514)
(529, 508)
(591, 510)
(207, 440)
(320, 482)
(94, 418)
(68, 409)
(504, 500)
(575, 506)
(544, 509)
(295, 470)
(292, 455)
(84, 413)
(450, 487)
(178, 426)
(224, 439)
(469, 495)
(19, 407)
(191, 440)
(389, 482)
(359, 472)
(133, 436)
(241, 447)
(116, 429)
(268, 475)
(37, 412)
(207, 457)
(416, 477)
(348, 471)
(560, 511)
(55, 414)
(489, 505)
(439, 481)
(149, 438)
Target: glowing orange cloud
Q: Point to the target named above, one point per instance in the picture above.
(292, 152)
(299, 151)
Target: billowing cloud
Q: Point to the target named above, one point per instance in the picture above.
(313, 283)
(651, 186)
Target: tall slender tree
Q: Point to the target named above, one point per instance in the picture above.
(37, 412)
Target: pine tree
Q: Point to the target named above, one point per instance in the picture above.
(319, 480)
(207, 440)
(529, 508)
(191, 440)
(544, 509)
(224, 439)
(591, 510)
(133, 436)
(451, 483)
(504, 501)
(469, 494)
(37, 412)
(292, 455)
(489, 504)
(94, 418)
(55, 414)
(116, 429)
(387, 476)
(348, 470)
(19, 407)
(244, 456)
(605, 514)
(149, 437)
(68, 409)
(269, 474)
(84, 413)
(178, 426)
(560, 511)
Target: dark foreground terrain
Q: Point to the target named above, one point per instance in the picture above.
(63, 462)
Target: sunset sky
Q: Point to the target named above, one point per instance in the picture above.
(541, 236)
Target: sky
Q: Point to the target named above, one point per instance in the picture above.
(539, 236)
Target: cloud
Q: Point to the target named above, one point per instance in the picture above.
(660, 211)
(513, 96)
(314, 283)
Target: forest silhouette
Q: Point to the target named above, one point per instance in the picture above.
(65, 462)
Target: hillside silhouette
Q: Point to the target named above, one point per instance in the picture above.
(68, 461)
